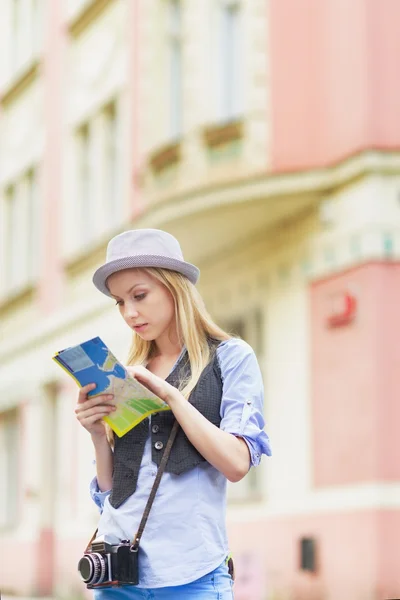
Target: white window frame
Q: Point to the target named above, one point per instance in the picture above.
(229, 84)
(25, 31)
(84, 171)
(21, 235)
(174, 16)
(113, 194)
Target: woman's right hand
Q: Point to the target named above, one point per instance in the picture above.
(90, 411)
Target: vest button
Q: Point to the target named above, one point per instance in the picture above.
(158, 445)
(155, 429)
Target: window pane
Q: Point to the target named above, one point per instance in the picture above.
(230, 62)
(175, 68)
(112, 191)
(9, 468)
(84, 182)
(32, 232)
(12, 234)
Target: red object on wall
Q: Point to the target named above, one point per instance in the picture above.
(343, 310)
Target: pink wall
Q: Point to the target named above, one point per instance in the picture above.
(387, 280)
(357, 555)
(388, 552)
(355, 386)
(334, 84)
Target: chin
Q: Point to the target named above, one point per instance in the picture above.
(147, 337)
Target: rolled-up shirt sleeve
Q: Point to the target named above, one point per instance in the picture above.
(97, 496)
(243, 397)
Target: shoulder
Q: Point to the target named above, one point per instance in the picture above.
(234, 347)
(233, 354)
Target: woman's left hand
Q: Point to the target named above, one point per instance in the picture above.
(155, 384)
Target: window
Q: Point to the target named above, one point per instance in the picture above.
(250, 329)
(308, 560)
(25, 31)
(32, 233)
(229, 80)
(11, 245)
(98, 204)
(175, 68)
(85, 219)
(112, 188)
(9, 468)
(21, 231)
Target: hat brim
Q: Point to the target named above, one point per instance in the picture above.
(139, 262)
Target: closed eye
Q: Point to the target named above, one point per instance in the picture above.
(140, 296)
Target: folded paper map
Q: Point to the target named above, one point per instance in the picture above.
(93, 362)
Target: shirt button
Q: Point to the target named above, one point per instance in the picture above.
(155, 429)
(158, 445)
(248, 402)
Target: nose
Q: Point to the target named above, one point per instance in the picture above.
(131, 311)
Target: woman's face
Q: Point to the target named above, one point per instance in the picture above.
(145, 303)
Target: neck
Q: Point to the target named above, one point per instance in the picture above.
(168, 346)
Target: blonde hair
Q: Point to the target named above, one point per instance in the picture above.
(195, 329)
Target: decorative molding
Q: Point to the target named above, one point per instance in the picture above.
(165, 157)
(20, 81)
(16, 298)
(221, 134)
(266, 186)
(89, 11)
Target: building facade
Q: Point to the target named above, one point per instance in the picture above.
(265, 136)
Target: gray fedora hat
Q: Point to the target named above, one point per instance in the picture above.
(143, 248)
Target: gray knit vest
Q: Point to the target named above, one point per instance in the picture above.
(128, 450)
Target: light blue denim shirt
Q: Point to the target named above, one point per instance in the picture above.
(185, 535)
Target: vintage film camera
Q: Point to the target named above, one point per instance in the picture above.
(109, 562)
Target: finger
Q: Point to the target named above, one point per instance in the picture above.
(83, 392)
(97, 413)
(82, 414)
(105, 399)
(90, 421)
(151, 382)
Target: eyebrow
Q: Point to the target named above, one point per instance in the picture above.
(129, 291)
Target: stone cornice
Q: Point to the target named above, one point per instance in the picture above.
(220, 134)
(263, 185)
(19, 82)
(165, 157)
(86, 15)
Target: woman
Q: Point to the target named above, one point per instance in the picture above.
(179, 353)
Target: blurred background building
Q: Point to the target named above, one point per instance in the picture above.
(265, 135)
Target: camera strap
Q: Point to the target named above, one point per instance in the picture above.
(160, 471)
(145, 516)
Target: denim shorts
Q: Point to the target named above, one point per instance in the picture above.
(216, 585)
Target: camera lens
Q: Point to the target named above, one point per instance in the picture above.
(92, 568)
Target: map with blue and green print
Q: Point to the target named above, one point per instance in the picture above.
(93, 362)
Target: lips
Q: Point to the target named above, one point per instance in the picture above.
(140, 327)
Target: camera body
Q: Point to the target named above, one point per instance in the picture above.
(109, 562)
